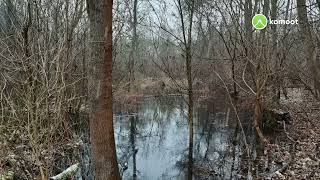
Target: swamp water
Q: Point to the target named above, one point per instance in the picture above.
(153, 143)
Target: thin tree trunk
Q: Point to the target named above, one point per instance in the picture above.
(247, 19)
(266, 9)
(257, 116)
(100, 87)
(190, 112)
(283, 55)
(133, 45)
(187, 39)
(248, 14)
(274, 55)
(233, 71)
(190, 91)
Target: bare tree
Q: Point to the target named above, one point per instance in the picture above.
(187, 40)
(309, 45)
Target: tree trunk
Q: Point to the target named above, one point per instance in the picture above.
(274, 55)
(190, 90)
(133, 146)
(190, 111)
(247, 19)
(266, 9)
(133, 45)
(187, 40)
(283, 54)
(309, 44)
(100, 87)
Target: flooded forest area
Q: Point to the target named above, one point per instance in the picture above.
(159, 89)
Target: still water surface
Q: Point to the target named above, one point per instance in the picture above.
(153, 142)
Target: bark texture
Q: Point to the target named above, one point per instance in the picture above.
(309, 44)
(100, 89)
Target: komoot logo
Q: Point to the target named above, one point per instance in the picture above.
(260, 21)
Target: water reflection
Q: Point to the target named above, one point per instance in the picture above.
(154, 142)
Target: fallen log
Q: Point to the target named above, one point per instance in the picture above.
(68, 173)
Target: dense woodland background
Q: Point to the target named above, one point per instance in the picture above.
(54, 57)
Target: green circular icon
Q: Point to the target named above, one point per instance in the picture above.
(259, 21)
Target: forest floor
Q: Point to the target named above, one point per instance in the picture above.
(294, 152)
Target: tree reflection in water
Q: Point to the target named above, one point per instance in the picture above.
(154, 142)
